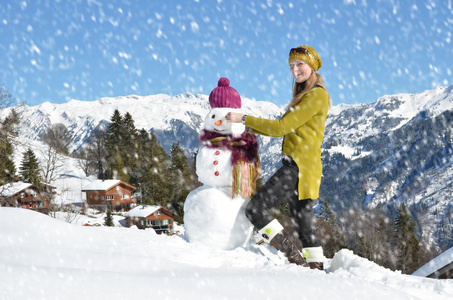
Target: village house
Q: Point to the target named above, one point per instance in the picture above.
(151, 216)
(26, 195)
(115, 194)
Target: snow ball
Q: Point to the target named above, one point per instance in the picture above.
(194, 26)
(214, 219)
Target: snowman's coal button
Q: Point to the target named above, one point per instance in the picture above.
(215, 162)
(216, 173)
(217, 152)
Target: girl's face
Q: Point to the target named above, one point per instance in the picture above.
(300, 70)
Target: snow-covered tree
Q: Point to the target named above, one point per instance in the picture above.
(114, 148)
(7, 167)
(53, 164)
(108, 220)
(29, 169)
(58, 137)
(152, 169)
(407, 243)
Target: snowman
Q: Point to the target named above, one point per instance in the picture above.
(227, 165)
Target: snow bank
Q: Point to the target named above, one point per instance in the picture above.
(347, 264)
(45, 258)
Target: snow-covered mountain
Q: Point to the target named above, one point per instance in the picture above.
(160, 113)
(386, 114)
(396, 149)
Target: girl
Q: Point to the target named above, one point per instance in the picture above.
(298, 180)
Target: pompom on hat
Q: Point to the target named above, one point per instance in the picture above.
(224, 95)
(308, 55)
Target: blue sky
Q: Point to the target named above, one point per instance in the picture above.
(87, 49)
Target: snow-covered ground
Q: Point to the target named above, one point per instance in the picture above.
(46, 258)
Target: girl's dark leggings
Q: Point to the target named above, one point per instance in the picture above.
(280, 187)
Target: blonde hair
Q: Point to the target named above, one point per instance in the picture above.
(300, 89)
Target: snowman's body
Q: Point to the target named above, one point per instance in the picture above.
(213, 167)
(212, 216)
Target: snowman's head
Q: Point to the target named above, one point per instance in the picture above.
(215, 121)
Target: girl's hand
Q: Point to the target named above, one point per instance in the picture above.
(234, 117)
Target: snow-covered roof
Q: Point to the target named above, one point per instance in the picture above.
(11, 189)
(101, 185)
(142, 211)
(435, 264)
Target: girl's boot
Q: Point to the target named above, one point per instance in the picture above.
(273, 234)
(315, 257)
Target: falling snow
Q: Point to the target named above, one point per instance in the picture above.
(180, 46)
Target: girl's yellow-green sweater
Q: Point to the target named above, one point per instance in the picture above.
(303, 131)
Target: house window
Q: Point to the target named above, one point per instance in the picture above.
(165, 222)
(158, 213)
(124, 196)
(154, 223)
(117, 187)
(22, 195)
(102, 198)
(109, 197)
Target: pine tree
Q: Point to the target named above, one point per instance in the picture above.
(381, 241)
(122, 148)
(96, 153)
(7, 167)
(407, 242)
(115, 167)
(108, 220)
(129, 146)
(327, 213)
(179, 170)
(180, 178)
(152, 169)
(328, 230)
(363, 246)
(29, 169)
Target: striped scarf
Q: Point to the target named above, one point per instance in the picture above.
(244, 159)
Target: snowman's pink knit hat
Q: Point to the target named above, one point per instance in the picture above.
(224, 95)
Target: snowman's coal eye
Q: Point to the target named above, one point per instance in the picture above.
(213, 117)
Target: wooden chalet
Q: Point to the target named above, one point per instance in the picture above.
(26, 195)
(115, 194)
(151, 216)
(440, 267)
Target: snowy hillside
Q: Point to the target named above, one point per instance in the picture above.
(44, 258)
(70, 178)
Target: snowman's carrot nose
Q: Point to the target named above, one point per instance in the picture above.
(219, 122)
